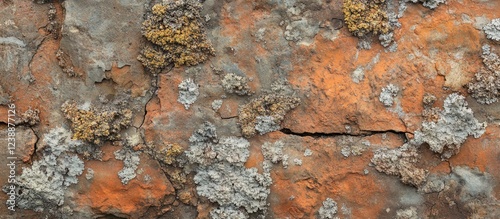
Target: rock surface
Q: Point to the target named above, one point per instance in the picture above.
(358, 135)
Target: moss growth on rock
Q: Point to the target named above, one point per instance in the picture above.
(366, 16)
(94, 125)
(176, 28)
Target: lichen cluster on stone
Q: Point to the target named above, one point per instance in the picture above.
(153, 59)
(485, 87)
(29, 117)
(400, 162)
(95, 126)
(273, 152)
(364, 17)
(455, 123)
(176, 30)
(188, 93)
(272, 106)
(492, 30)
(131, 161)
(166, 153)
(233, 83)
(221, 175)
(432, 4)
(43, 185)
(328, 210)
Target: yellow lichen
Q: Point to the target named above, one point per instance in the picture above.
(178, 31)
(93, 126)
(365, 16)
(171, 152)
(153, 59)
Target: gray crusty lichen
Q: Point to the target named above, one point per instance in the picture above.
(400, 162)
(227, 212)
(407, 213)
(42, 187)
(130, 163)
(432, 4)
(236, 84)
(221, 175)
(387, 95)
(492, 30)
(456, 122)
(273, 152)
(188, 93)
(485, 87)
(265, 113)
(328, 210)
(444, 135)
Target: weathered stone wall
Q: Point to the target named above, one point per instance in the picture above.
(251, 109)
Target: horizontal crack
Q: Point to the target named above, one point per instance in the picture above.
(335, 134)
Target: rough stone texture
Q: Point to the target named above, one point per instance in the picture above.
(87, 53)
(90, 38)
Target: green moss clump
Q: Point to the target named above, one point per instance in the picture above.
(96, 126)
(176, 28)
(366, 16)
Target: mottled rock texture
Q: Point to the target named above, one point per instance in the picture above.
(251, 109)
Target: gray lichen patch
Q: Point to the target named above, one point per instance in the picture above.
(216, 104)
(227, 212)
(236, 84)
(308, 152)
(229, 149)
(328, 210)
(266, 106)
(266, 124)
(228, 184)
(297, 162)
(358, 74)
(456, 122)
(492, 30)
(273, 152)
(485, 87)
(130, 163)
(353, 146)
(302, 30)
(407, 213)
(221, 176)
(43, 185)
(188, 93)
(400, 162)
(90, 174)
(432, 4)
(388, 94)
